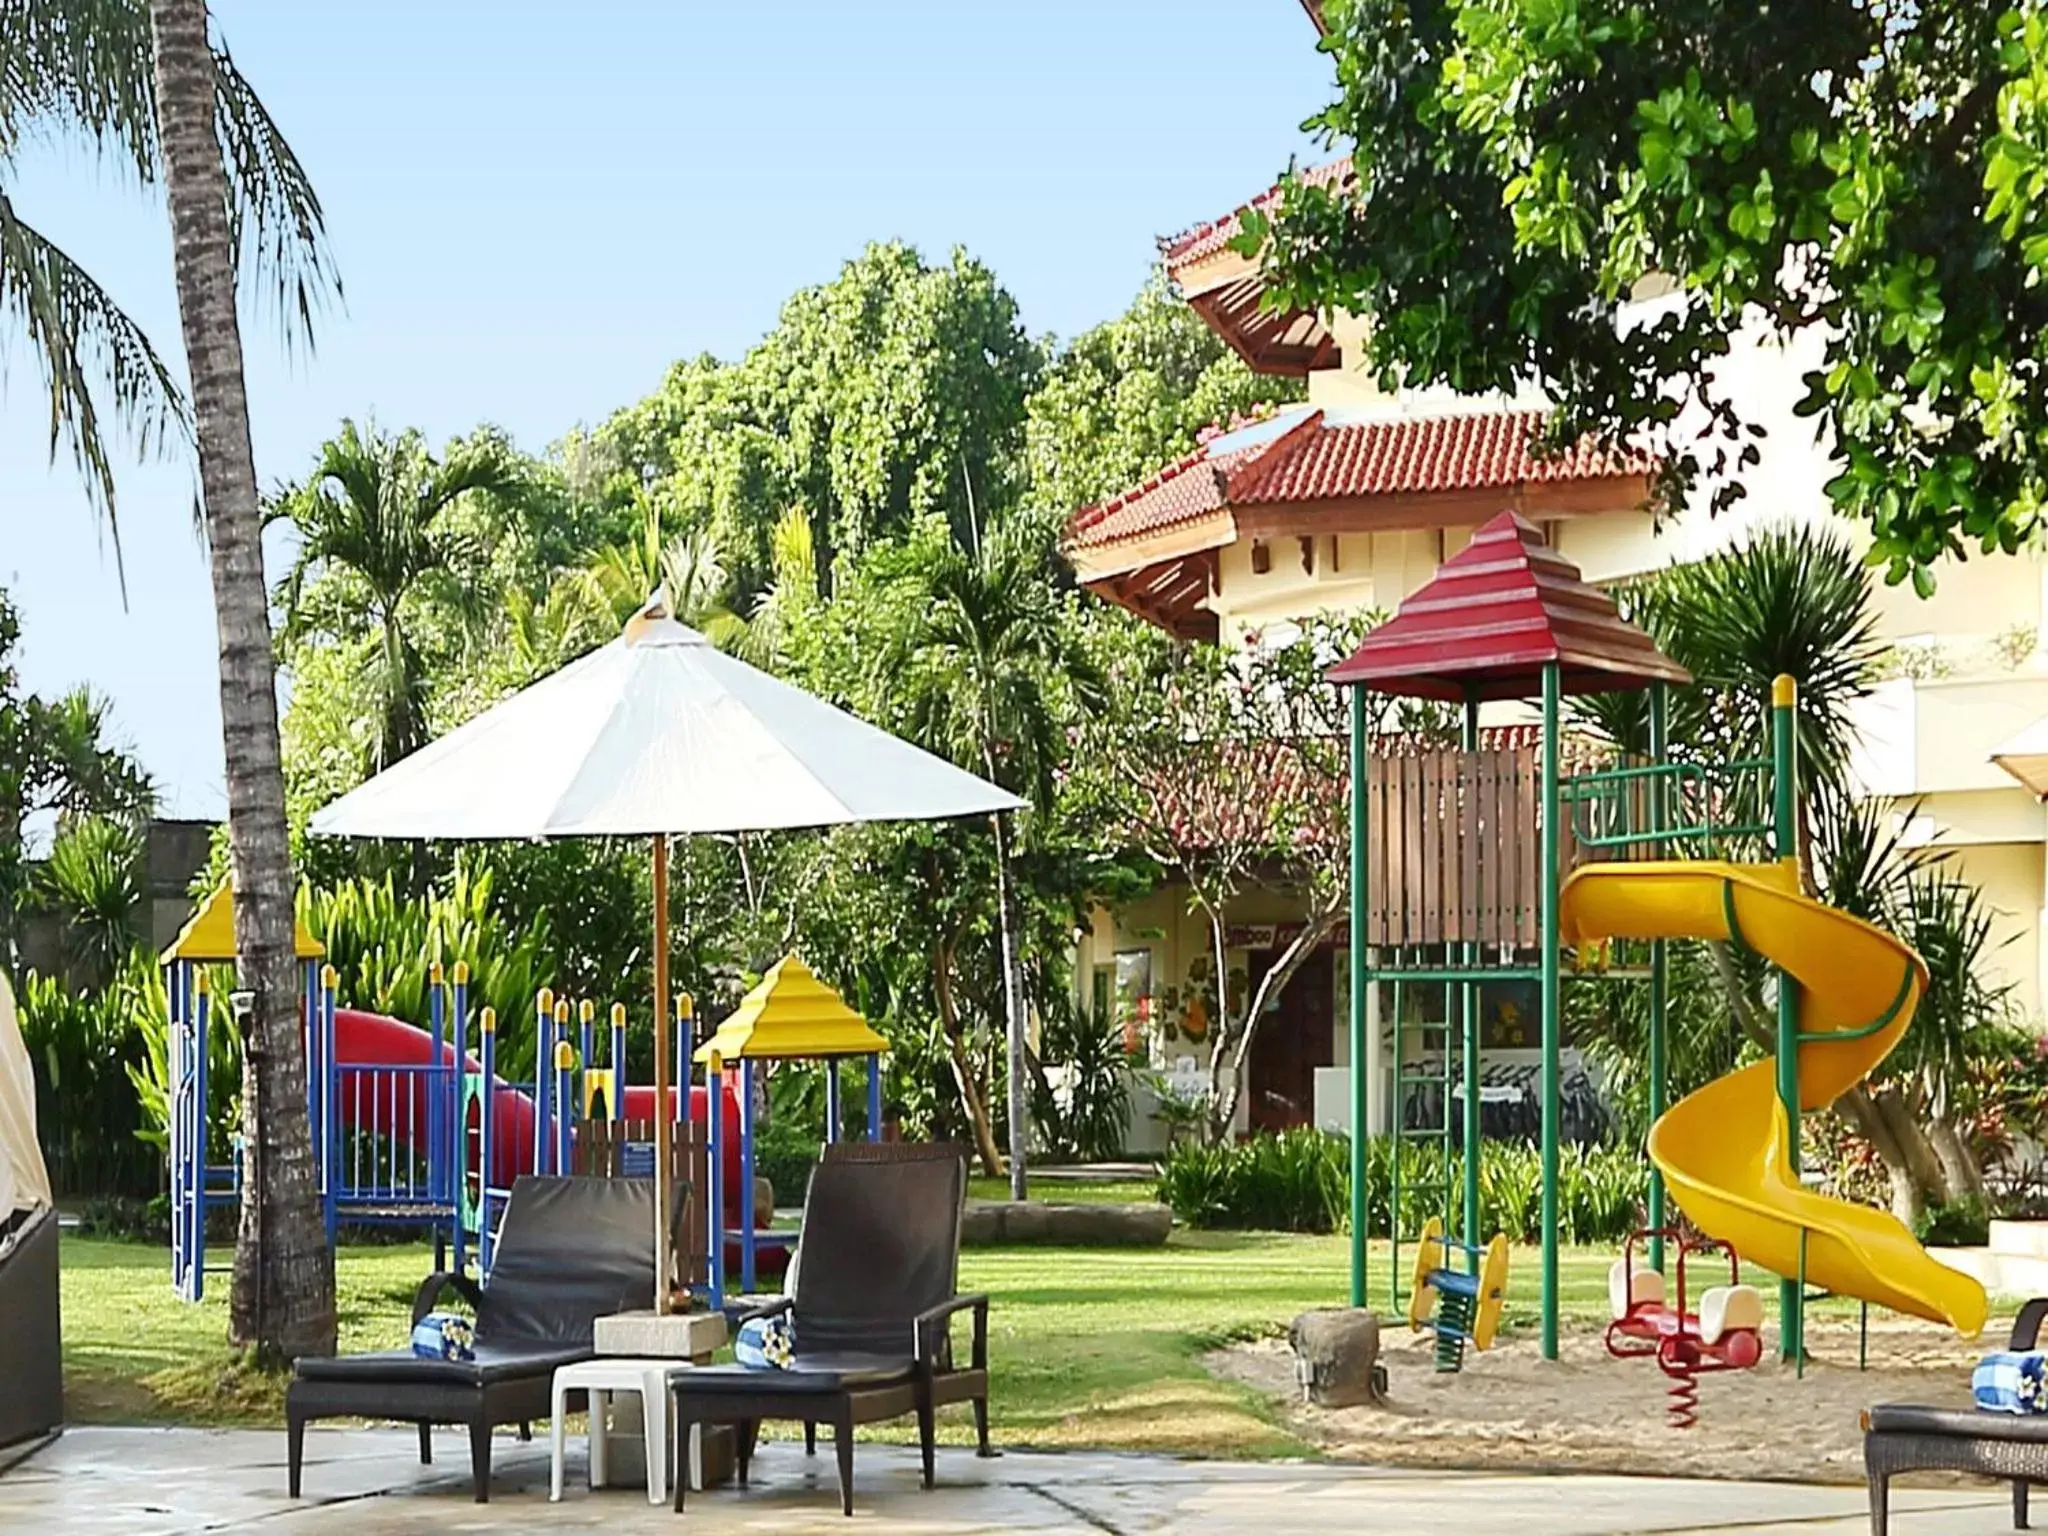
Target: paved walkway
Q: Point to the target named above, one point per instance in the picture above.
(163, 1480)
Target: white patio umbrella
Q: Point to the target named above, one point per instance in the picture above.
(657, 734)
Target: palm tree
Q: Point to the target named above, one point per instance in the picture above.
(282, 1299)
(82, 69)
(376, 508)
(689, 566)
(985, 655)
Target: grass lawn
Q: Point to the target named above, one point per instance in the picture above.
(1090, 1347)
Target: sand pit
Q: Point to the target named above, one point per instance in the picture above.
(1512, 1410)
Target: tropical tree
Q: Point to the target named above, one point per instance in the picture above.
(92, 881)
(1793, 600)
(1875, 176)
(1131, 394)
(282, 1296)
(985, 666)
(81, 69)
(55, 758)
(375, 513)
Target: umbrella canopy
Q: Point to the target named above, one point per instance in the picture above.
(24, 1181)
(657, 732)
(2025, 757)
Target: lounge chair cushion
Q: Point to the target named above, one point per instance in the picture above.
(813, 1371)
(493, 1363)
(1963, 1423)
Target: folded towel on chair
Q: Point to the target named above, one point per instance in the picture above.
(2011, 1381)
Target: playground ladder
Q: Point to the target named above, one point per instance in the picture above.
(1443, 1133)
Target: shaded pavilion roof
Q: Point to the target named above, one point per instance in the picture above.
(1494, 616)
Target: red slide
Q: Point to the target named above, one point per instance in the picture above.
(397, 1107)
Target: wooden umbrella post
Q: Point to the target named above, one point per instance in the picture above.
(664, 1261)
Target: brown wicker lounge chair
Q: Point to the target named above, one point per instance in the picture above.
(571, 1250)
(872, 1313)
(1905, 1437)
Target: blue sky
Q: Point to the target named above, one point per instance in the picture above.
(536, 208)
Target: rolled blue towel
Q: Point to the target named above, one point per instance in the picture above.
(765, 1344)
(2011, 1381)
(444, 1336)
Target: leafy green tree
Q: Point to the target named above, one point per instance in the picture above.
(1874, 174)
(1132, 394)
(92, 881)
(894, 392)
(55, 759)
(81, 70)
(373, 518)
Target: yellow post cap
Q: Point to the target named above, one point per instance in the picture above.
(201, 984)
(435, 973)
(488, 1020)
(561, 1010)
(565, 1056)
(461, 973)
(686, 1006)
(546, 1001)
(330, 977)
(619, 1014)
(586, 1011)
(1784, 690)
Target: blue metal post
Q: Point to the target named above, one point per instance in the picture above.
(195, 1239)
(586, 1028)
(714, 1105)
(565, 1063)
(832, 1099)
(874, 1097)
(618, 1060)
(437, 1015)
(487, 1026)
(746, 1191)
(458, 1117)
(544, 1011)
(330, 1075)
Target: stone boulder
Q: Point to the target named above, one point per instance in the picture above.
(1337, 1357)
(987, 1222)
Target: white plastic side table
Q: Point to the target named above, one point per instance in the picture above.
(648, 1380)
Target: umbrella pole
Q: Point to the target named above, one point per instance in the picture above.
(663, 1139)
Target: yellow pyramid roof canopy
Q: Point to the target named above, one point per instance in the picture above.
(210, 935)
(791, 1014)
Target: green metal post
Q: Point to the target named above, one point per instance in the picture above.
(1785, 819)
(1394, 1160)
(1360, 980)
(1552, 688)
(1469, 995)
(1659, 717)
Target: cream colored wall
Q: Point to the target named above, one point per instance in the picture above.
(2010, 877)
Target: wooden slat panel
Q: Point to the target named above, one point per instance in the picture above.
(1376, 888)
(1493, 848)
(1528, 855)
(1471, 839)
(1429, 828)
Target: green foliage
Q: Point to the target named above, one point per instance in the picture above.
(92, 881)
(376, 545)
(1964, 1223)
(382, 945)
(1871, 174)
(1300, 1181)
(1087, 1117)
(55, 758)
(84, 1046)
(1296, 1181)
(1132, 394)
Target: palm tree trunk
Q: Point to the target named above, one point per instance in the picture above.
(283, 1291)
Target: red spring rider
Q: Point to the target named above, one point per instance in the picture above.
(1725, 1334)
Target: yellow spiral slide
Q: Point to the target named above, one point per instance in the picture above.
(1724, 1150)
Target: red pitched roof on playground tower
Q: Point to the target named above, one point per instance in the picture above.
(1494, 615)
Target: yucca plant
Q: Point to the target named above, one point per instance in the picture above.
(92, 882)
